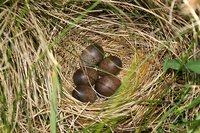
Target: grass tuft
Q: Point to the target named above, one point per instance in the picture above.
(40, 45)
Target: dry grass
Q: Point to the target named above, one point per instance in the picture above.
(38, 36)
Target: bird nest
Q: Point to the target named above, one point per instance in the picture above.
(44, 36)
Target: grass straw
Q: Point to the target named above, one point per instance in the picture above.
(39, 48)
(55, 75)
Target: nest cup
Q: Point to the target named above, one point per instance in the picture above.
(134, 84)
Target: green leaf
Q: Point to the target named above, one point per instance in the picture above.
(195, 126)
(173, 64)
(194, 65)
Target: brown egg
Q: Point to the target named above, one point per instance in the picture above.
(110, 65)
(85, 77)
(107, 85)
(84, 93)
(92, 55)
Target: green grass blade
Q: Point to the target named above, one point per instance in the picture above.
(56, 84)
(195, 125)
(193, 104)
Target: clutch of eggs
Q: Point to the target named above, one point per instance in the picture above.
(103, 80)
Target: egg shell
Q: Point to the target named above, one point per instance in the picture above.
(107, 85)
(85, 76)
(110, 65)
(84, 93)
(92, 55)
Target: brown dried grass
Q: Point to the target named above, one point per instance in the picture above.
(131, 31)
